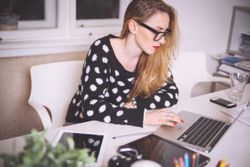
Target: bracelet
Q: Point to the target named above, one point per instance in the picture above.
(134, 103)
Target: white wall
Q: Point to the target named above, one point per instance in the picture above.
(205, 24)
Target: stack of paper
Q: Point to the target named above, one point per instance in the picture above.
(244, 118)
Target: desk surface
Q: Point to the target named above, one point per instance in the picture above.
(234, 146)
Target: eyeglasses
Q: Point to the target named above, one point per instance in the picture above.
(158, 34)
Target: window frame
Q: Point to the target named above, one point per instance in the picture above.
(36, 34)
(65, 37)
(92, 27)
(49, 21)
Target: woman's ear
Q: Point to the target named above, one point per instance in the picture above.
(132, 25)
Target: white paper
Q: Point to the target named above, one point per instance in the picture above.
(245, 117)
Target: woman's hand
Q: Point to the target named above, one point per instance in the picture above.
(131, 104)
(162, 117)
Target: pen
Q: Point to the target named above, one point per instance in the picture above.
(181, 162)
(194, 160)
(176, 163)
(186, 160)
(197, 160)
(218, 164)
(222, 163)
(133, 134)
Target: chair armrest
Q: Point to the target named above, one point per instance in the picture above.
(43, 113)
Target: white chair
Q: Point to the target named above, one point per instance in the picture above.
(52, 87)
(192, 77)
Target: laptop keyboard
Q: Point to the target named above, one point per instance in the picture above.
(205, 132)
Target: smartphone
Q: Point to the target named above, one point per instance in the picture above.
(223, 102)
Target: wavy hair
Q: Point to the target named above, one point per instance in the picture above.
(152, 70)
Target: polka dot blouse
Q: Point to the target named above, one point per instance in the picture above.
(104, 88)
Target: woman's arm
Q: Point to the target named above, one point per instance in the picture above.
(156, 106)
(96, 103)
(165, 97)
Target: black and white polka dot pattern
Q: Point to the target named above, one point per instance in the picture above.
(104, 89)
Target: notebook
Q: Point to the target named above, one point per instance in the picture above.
(94, 142)
(198, 132)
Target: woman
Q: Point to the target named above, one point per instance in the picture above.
(127, 79)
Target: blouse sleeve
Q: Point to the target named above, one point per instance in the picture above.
(95, 98)
(166, 96)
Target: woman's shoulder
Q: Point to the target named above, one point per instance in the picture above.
(105, 40)
(102, 47)
(101, 50)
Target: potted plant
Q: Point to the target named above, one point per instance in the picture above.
(8, 18)
(39, 153)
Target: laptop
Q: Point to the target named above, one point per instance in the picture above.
(198, 132)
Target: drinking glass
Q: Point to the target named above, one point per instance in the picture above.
(238, 82)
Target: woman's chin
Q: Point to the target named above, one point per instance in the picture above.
(150, 52)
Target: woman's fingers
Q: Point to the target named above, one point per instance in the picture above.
(162, 117)
(171, 116)
(169, 123)
(175, 118)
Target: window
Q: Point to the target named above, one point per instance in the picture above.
(52, 26)
(30, 9)
(45, 21)
(33, 14)
(104, 9)
(89, 15)
(91, 12)
(37, 13)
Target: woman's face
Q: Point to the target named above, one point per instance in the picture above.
(145, 37)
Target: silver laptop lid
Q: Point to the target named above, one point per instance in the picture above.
(202, 142)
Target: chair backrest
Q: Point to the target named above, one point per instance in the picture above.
(53, 85)
(190, 68)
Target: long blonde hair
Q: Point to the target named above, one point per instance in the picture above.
(152, 70)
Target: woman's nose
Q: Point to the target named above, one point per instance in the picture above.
(162, 40)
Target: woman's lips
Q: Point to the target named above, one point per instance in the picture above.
(156, 47)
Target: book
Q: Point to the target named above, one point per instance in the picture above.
(225, 68)
(243, 65)
(231, 64)
(245, 43)
(231, 60)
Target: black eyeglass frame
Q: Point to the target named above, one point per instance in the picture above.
(162, 34)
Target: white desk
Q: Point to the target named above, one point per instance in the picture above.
(234, 147)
